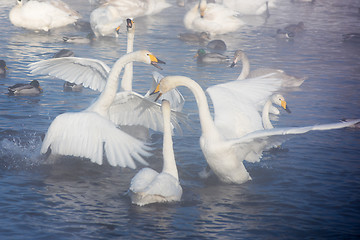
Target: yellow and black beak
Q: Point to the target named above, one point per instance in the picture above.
(155, 61)
(117, 30)
(157, 91)
(285, 107)
(129, 23)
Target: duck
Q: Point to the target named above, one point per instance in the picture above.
(68, 86)
(295, 28)
(351, 37)
(148, 186)
(91, 133)
(282, 34)
(23, 89)
(3, 68)
(225, 155)
(84, 40)
(204, 57)
(42, 15)
(287, 80)
(200, 38)
(217, 45)
(212, 18)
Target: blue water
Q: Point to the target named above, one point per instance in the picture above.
(308, 189)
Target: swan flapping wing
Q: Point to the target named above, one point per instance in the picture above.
(88, 135)
(130, 108)
(236, 104)
(258, 141)
(91, 73)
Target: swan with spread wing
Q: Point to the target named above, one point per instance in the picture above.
(225, 155)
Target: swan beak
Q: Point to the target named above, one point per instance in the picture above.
(155, 61)
(157, 90)
(117, 30)
(235, 60)
(202, 13)
(129, 23)
(286, 108)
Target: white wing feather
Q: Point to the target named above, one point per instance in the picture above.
(236, 103)
(91, 73)
(86, 134)
(130, 108)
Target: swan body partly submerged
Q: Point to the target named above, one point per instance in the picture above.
(149, 186)
(225, 155)
(42, 15)
(212, 18)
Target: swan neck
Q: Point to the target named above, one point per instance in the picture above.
(107, 96)
(168, 151)
(265, 115)
(245, 71)
(126, 82)
(206, 121)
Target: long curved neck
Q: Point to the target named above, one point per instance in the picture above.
(245, 68)
(126, 82)
(107, 96)
(206, 121)
(169, 165)
(265, 115)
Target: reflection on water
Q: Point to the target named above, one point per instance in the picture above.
(307, 189)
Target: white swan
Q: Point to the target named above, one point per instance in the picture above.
(135, 109)
(110, 15)
(90, 133)
(253, 7)
(149, 186)
(277, 99)
(287, 80)
(225, 156)
(212, 18)
(42, 15)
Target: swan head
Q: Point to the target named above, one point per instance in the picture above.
(130, 25)
(167, 84)
(279, 100)
(20, 2)
(238, 55)
(202, 8)
(149, 58)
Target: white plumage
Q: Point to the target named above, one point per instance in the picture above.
(212, 18)
(42, 15)
(149, 186)
(225, 155)
(83, 134)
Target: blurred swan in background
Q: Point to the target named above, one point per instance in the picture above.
(91, 133)
(42, 15)
(149, 186)
(23, 89)
(212, 18)
(246, 7)
(287, 80)
(225, 155)
(112, 14)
